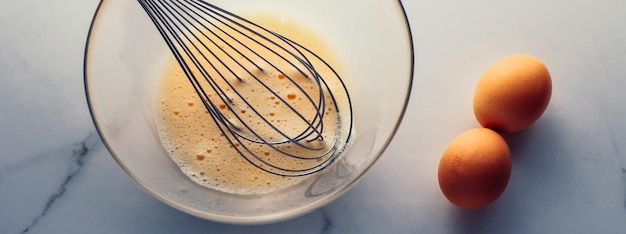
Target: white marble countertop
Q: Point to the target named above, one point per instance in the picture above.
(569, 169)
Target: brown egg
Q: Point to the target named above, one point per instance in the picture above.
(475, 168)
(512, 94)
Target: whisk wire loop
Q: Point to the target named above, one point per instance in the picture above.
(313, 129)
(303, 60)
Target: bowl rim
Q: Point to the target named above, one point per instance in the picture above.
(271, 218)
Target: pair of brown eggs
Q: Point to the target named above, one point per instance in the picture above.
(512, 94)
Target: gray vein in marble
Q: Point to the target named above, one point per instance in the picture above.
(614, 143)
(80, 152)
(328, 224)
(624, 179)
(617, 152)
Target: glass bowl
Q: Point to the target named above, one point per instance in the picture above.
(125, 53)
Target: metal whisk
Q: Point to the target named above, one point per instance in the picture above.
(231, 61)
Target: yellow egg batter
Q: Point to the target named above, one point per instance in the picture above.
(196, 144)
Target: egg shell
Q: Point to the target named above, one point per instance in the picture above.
(475, 168)
(512, 94)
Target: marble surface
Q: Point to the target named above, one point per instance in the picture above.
(569, 169)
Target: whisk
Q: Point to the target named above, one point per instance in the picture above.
(232, 62)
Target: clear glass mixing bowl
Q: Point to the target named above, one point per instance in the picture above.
(124, 56)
